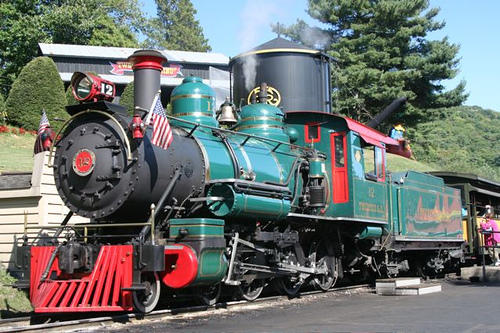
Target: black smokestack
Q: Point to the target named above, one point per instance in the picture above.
(147, 66)
(382, 116)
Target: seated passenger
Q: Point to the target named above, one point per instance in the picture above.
(396, 132)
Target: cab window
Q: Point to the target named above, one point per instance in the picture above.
(312, 132)
(374, 163)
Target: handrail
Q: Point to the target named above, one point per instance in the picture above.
(85, 227)
(253, 136)
(120, 128)
(483, 246)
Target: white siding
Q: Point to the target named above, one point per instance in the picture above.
(38, 206)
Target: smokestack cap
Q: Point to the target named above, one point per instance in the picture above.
(147, 59)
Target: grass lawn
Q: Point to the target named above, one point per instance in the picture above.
(397, 163)
(16, 155)
(13, 302)
(16, 152)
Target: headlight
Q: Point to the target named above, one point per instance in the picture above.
(87, 87)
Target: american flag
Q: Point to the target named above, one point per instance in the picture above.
(162, 133)
(44, 123)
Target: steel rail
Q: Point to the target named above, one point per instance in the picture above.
(22, 324)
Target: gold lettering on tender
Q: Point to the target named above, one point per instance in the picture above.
(371, 208)
(367, 207)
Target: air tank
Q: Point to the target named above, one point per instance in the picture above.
(297, 77)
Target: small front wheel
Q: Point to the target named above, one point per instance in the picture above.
(210, 294)
(145, 300)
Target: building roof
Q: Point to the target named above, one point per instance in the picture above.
(122, 53)
(282, 43)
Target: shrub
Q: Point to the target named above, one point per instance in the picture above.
(37, 87)
(127, 98)
(69, 96)
(3, 113)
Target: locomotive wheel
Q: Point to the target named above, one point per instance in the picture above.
(322, 252)
(210, 295)
(288, 285)
(251, 291)
(145, 301)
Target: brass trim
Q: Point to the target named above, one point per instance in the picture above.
(120, 128)
(277, 50)
(176, 97)
(258, 126)
(262, 118)
(196, 114)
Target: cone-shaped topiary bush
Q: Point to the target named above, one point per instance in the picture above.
(37, 87)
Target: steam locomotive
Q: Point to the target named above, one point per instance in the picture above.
(244, 197)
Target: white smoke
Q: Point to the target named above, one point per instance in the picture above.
(256, 18)
(249, 67)
(317, 38)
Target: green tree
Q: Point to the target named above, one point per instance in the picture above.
(383, 54)
(176, 28)
(460, 139)
(38, 87)
(20, 31)
(94, 22)
(70, 98)
(127, 98)
(25, 23)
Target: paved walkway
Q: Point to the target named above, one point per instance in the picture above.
(462, 306)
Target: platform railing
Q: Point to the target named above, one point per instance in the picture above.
(485, 247)
(80, 231)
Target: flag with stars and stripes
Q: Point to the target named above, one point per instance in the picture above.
(44, 123)
(162, 133)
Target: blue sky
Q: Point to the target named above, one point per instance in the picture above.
(235, 26)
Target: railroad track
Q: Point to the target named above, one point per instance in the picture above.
(38, 322)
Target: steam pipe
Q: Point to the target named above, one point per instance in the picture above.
(263, 93)
(382, 116)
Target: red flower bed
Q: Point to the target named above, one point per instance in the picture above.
(15, 130)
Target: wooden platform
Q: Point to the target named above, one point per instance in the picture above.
(405, 287)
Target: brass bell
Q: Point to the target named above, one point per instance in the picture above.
(226, 116)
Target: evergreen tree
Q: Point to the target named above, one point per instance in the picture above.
(176, 28)
(38, 87)
(127, 98)
(383, 54)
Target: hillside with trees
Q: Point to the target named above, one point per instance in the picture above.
(461, 139)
